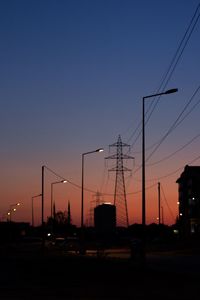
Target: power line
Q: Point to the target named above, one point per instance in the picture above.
(165, 80)
(173, 127)
(175, 171)
(176, 123)
(53, 172)
(176, 59)
(175, 152)
(131, 193)
(173, 64)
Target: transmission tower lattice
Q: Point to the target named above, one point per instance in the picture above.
(98, 199)
(120, 191)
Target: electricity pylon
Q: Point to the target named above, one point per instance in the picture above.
(94, 203)
(120, 191)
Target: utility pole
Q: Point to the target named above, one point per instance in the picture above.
(69, 214)
(162, 209)
(120, 191)
(42, 214)
(159, 203)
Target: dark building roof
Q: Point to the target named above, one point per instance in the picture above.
(105, 217)
(189, 171)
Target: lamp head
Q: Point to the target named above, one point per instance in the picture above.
(171, 91)
(100, 150)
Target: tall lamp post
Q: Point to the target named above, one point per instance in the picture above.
(32, 198)
(143, 162)
(42, 213)
(82, 185)
(159, 218)
(52, 202)
(42, 204)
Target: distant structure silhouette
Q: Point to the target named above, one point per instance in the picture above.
(97, 200)
(120, 201)
(69, 218)
(189, 201)
(54, 211)
(105, 220)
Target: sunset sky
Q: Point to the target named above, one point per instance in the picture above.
(72, 77)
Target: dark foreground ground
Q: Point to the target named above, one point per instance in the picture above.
(31, 275)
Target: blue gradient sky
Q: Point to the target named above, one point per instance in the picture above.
(72, 77)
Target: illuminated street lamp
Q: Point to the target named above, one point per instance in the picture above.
(8, 214)
(143, 161)
(42, 202)
(52, 202)
(82, 185)
(12, 209)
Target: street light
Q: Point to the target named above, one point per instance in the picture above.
(143, 160)
(42, 202)
(32, 207)
(12, 208)
(52, 184)
(82, 186)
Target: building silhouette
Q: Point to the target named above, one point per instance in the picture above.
(189, 201)
(105, 219)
